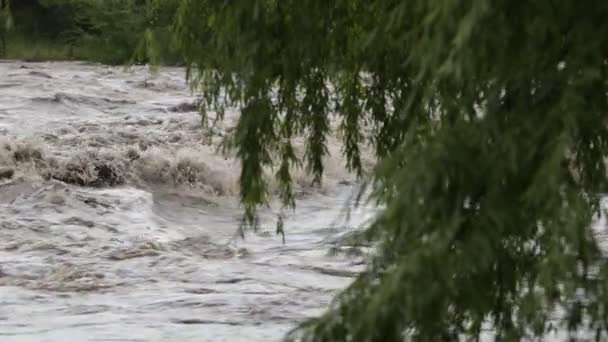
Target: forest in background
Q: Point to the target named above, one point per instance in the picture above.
(106, 31)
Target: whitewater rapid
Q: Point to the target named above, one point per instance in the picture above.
(118, 219)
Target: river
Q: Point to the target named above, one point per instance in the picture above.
(118, 221)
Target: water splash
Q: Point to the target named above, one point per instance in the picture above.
(118, 223)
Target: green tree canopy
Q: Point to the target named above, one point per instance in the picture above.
(489, 122)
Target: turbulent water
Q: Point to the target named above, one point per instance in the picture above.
(118, 219)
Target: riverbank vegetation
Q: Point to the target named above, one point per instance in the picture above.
(105, 31)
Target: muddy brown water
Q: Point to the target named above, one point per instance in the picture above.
(117, 222)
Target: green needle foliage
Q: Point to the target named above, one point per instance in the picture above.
(489, 122)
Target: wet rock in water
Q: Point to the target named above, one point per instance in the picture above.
(6, 173)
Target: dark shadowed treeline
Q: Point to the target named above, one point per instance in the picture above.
(108, 31)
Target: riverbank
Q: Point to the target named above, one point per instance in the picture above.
(20, 48)
(32, 49)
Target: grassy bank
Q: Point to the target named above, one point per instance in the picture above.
(37, 50)
(89, 49)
